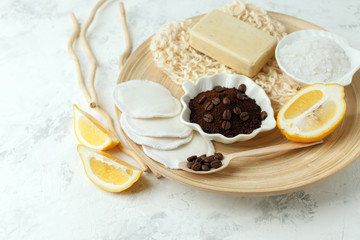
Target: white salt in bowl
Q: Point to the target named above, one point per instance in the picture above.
(353, 54)
(229, 81)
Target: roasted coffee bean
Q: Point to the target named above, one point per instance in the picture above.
(192, 158)
(205, 168)
(226, 125)
(226, 114)
(199, 160)
(237, 106)
(263, 115)
(240, 96)
(219, 156)
(209, 159)
(216, 101)
(219, 89)
(208, 118)
(244, 116)
(189, 164)
(226, 101)
(202, 156)
(242, 88)
(215, 164)
(196, 166)
(208, 106)
(202, 100)
(207, 163)
(237, 110)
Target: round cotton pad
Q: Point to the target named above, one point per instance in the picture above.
(171, 158)
(145, 99)
(157, 127)
(163, 143)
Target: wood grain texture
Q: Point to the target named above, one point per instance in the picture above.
(270, 174)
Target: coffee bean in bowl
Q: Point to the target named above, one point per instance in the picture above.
(228, 108)
(225, 113)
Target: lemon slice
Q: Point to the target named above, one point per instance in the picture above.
(91, 133)
(106, 171)
(313, 112)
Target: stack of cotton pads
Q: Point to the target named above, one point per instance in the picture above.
(150, 117)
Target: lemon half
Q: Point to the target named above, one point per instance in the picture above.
(106, 171)
(91, 133)
(313, 112)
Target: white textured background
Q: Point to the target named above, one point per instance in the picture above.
(44, 192)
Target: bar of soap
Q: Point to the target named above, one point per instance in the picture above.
(233, 42)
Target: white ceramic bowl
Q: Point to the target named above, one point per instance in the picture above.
(229, 81)
(353, 54)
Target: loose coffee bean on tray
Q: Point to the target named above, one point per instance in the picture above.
(205, 163)
(245, 115)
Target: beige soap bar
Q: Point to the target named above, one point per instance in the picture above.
(233, 42)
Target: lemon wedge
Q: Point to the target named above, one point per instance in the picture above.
(312, 113)
(91, 133)
(106, 171)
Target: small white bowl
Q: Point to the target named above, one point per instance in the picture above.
(353, 54)
(229, 81)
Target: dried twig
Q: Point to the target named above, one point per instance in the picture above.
(127, 51)
(88, 51)
(91, 98)
(80, 77)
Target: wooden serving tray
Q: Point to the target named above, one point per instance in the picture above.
(270, 174)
